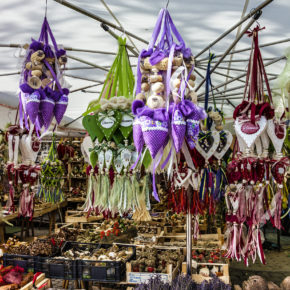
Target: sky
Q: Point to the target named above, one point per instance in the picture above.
(199, 22)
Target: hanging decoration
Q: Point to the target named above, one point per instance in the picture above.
(165, 115)
(256, 176)
(43, 91)
(51, 178)
(113, 187)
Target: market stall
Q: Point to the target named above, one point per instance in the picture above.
(156, 191)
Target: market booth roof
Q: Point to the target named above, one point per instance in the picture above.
(200, 22)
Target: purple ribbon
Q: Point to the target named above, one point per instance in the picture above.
(155, 165)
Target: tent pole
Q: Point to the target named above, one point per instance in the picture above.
(86, 87)
(117, 20)
(100, 19)
(228, 50)
(189, 232)
(249, 48)
(244, 74)
(82, 78)
(249, 15)
(87, 62)
(235, 69)
(107, 29)
(221, 74)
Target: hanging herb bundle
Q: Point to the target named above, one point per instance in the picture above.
(51, 177)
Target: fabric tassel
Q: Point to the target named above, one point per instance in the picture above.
(10, 202)
(104, 199)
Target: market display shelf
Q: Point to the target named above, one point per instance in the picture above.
(75, 216)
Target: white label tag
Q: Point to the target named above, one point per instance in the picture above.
(118, 164)
(101, 159)
(107, 123)
(126, 157)
(127, 120)
(108, 158)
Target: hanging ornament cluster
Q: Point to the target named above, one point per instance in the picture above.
(51, 178)
(21, 169)
(256, 193)
(165, 114)
(113, 187)
(43, 91)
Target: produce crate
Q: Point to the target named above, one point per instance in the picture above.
(57, 268)
(143, 277)
(104, 271)
(28, 263)
(199, 278)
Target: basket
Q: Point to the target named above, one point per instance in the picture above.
(28, 263)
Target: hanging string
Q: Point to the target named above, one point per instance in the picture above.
(167, 3)
(45, 8)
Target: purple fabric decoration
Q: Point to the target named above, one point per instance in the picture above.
(178, 127)
(35, 45)
(192, 124)
(60, 108)
(60, 52)
(32, 106)
(155, 134)
(138, 135)
(47, 107)
(154, 126)
(27, 89)
(48, 51)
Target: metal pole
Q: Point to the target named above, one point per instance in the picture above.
(117, 20)
(244, 74)
(236, 69)
(82, 78)
(261, 6)
(188, 232)
(228, 50)
(221, 74)
(86, 87)
(107, 29)
(234, 60)
(100, 19)
(87, 62)
(249, 48)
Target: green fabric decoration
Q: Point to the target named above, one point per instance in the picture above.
(109, 118)
(92, 127)
(147, 159)
(120, 78)
(93, 158)
(127, 118)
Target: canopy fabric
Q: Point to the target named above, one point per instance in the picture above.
(199, 22)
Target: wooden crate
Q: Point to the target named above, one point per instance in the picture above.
(198, 278)
(141, 277)
(75, 216)
(40, 281)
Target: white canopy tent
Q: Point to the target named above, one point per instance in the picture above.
(199, 22)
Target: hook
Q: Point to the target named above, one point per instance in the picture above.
(167, 3)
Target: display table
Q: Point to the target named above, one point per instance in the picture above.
(49, 209)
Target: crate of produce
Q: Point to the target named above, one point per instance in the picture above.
(57, 267)
(27, 262)
(100, 262)
(62, 266)
(103, 269)
(152, 261)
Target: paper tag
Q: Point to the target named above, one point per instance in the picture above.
(134, 157)
(101, 159)
(118, 164)
(107, 123)
(126, 157)
(33, 174)
(127, 120)
(108, 158)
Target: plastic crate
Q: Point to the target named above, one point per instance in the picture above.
(57, 268)
(28, 263)
(101, 271)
